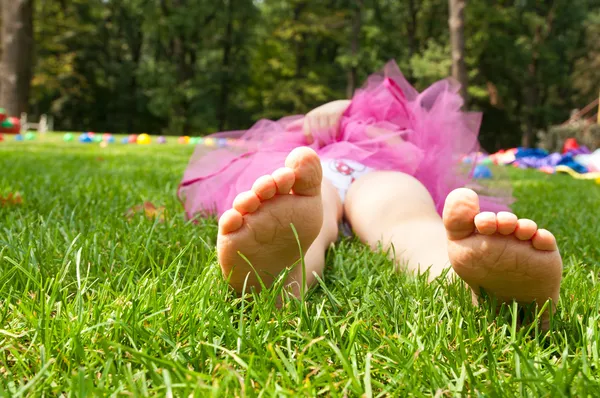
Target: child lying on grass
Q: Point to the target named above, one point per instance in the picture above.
(387, 162)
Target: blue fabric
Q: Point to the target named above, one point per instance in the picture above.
(538, 158)
(482, 171)
(530, 153)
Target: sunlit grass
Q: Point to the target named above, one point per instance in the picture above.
(91, 302)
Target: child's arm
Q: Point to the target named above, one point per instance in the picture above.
(323, 118)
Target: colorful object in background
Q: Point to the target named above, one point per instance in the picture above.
(161, 140)
(209, 141)
(132, 139)
(536, 158)
(504, 157)
(68, 137)
(18, 137)
(108, 138)
(576, 175)
(487, 161)
(576, 160)
(144, 139)
(570, 145)
(30, 136)
(547, 169)
(1, 137)
(10, 125)
(97, 138)
(125, 140)
(591, 161)
(482, 172)
(85, 138)
(475, 157)
(232, 141)
(221, 142)
(184, 140)
(3, 114)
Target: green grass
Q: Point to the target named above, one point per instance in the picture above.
(94, 304)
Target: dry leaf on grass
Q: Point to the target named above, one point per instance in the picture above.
(148, 210)
(11, 200)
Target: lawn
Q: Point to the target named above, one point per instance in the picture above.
(95, 303)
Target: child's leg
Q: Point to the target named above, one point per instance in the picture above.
(507, 258)
(394, 209)
(258, 226)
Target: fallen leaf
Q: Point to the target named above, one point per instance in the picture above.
(148, 210)
(11, 200)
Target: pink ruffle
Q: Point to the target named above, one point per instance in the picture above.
(427, 136)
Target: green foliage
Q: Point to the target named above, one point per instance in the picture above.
(524, 53)
(195, 67)
(431, 64)
(587, 67)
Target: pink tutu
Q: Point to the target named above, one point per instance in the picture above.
(427, 137)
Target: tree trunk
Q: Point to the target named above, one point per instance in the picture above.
(354, 46)
(456, 23)
(531, 90)
(17, 56)
(299, 44)
(412, 28)
(225, 68)
(531, 99)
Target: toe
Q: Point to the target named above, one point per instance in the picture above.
(284, 180)
(460, 209)
(486, 223)
(307, 169)
(246, 202)
(507, 222)
(230, 221)
(265, 187)
(544, 240)
(525, 229)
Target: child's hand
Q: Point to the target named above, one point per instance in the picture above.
(324, 118)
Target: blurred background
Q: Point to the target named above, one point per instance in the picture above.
(198, 66)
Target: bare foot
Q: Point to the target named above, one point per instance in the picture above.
(509, 258)
(258, 226)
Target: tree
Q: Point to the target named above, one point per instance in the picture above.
(586, 74)
(297, 64)
(354, 48)
(195, 67)
(456, 23)
(17, 44)
(521, 58)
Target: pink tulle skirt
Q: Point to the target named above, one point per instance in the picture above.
(426, 135)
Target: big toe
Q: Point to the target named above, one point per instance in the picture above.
(230, 221)
(307, 167)
(460, 209)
